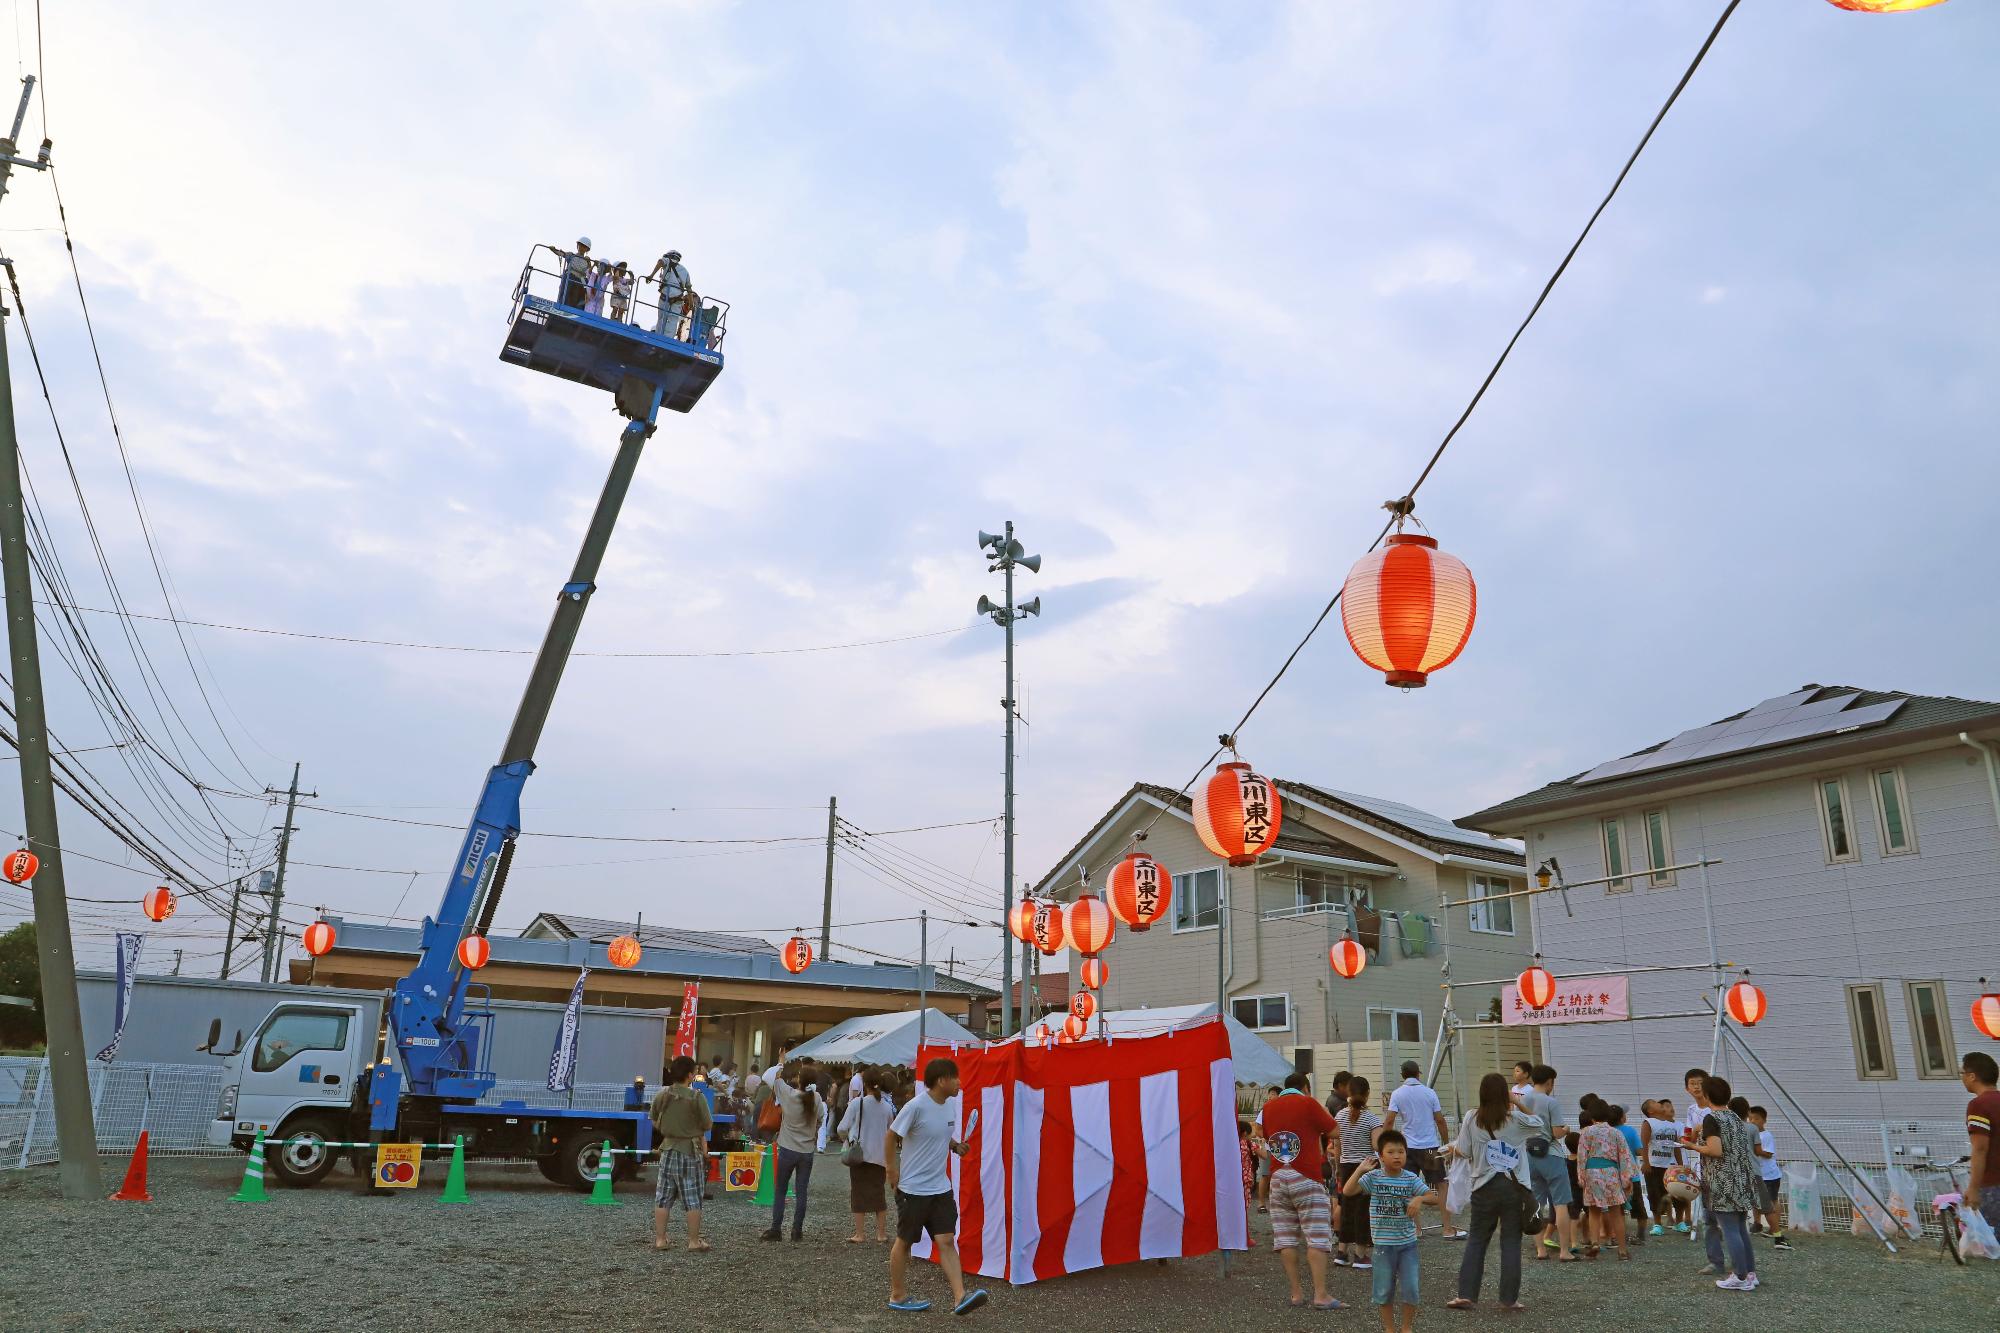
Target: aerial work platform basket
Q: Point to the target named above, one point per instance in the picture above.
(569, 320)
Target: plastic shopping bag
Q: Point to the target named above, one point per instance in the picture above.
(1870, 1218)
(1903, 1202)
(1975, 1235)
(1802, 1206)
(1458, 1187)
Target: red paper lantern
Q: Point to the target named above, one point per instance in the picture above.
(798, 954)
(1348, 958)
(1088, 925)
(1535, 987)
(1075, 1028)
(1048, 926)
(318, 938)
(624, 951)
(1883, 6)
(473, 951)
(1238, 814)
(1021, 921)
(20, 867)
(1083, 1005)
(1095, 973)
(1746, 1003)
(158, 904)
(1138, 890)
(1408, 608)
(1985, 1015)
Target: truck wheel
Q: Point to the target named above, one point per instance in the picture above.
(579, 1160)
(302, 1157)
(552, 1168)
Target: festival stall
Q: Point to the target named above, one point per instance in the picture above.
(883, 1039)
(1256, 1060)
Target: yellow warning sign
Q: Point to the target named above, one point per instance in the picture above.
(397, 1165)
(739, 1170)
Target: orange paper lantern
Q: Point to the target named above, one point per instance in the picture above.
(1408, 608)
(1075, 1028)
(624, 951)
(1138, 890)
(1986, 1015)
(1348, 958)
(1095, 973)
(798, 954)
(1082, 1005)
(473, 951)
(1021, 921)
(158, 904)
(1088, 925)
(1883, 6)
(318, 938)
(1048, 926)
(1535, 987)
(20, 867)
(1238, 814)
(1746, 1003)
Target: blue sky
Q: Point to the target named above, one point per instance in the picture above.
(1186, 292)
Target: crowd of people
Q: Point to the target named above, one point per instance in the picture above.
(607, 289)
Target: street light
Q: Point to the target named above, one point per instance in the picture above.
(1004, 553)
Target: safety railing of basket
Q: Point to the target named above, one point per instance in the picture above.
(592, 286)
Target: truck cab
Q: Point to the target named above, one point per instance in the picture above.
(296, 1079)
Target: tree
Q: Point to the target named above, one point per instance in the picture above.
(20, 975)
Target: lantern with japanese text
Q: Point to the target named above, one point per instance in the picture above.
(473, 951)
(1021, 921)
(1083, 1005)
(1075, 1028)
(624, 951)
(1095, 973)
(1408, 609)
(318, 938)
(1535, 987)
(158, 904)
(798, 954)
(1746, 1003)
(1986, 1015)
(1048, 926)
(1348, 957)
(1138, 890)
(1088, 926)
(20, 866)
(1238, 813)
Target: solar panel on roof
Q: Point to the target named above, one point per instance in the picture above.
(1779, 721)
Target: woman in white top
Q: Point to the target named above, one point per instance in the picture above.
(866, 1128)
(1493, 1139)
(1358, 1128)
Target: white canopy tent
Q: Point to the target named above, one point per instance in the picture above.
(883, 1039)
(1254, 1058)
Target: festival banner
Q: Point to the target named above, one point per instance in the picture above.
(684, 1039)
(129, 947)
(1577, 1000)
(562, 1064)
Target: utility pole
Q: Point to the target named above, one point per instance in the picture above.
(229, 940)
(826, 900)
(1005, 553)
(76, 1131)
(923, 966)
(273, 933)
(177, 964)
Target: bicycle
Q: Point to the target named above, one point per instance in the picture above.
(1946, 1205)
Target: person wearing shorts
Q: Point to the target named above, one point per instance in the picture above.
(921, 1143)
(1548, 1172)
(681, 1121)
(1295, 1128)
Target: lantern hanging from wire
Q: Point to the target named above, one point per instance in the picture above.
(1986, 1014)
(1083, 1005)
(1408, 607)
(1075, 1028)
(1088, 926)
(158, 904)
(624, 951)
(1347, 957)
(798, 954)
(473, 951)
(1138, 890)
(1021, 921)
(1095, 973)
(1048, 926)
(318, 939)
(20, 866)
(1535, 987)
(1238, 813)
(1883, 6)
(1746, 1003)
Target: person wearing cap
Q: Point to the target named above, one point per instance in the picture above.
(675, 294)
(577, 265)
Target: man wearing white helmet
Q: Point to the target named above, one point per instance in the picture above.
(676, 296)
(576, 273)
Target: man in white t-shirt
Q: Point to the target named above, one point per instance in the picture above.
(1415, 1111)
(920, 1147)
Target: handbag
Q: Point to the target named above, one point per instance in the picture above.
(853, 1156)
(770, 1116)
(1533, 1220)
(1537, 1146)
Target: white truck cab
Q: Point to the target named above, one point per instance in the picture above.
(295, 1080)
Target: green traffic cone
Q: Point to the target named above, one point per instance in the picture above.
(454, 1179)
(252, 1189)
(600, 1190)
(766, 1185)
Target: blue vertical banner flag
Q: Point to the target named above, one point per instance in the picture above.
(562, 1065)
(129, 947)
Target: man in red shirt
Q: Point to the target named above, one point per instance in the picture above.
(1295, 1128)
(1979, 1072)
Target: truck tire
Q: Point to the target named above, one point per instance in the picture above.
(579, 1159)
(299, 1156)
(552, 1169)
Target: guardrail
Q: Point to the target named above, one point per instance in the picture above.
(595, 287)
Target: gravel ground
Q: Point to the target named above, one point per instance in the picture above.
(527, 1255)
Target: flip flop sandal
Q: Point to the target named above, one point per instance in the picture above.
(1459, 1303)
(1331, 1304)
(909, 1306)
(973, 1300)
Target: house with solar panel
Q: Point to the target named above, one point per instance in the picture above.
(1258, 936)
(1853, 845)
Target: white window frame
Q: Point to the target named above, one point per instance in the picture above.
(1618, 876)
(1221, 897)
(1902, 797)
(1480, 914)
(1260, 1025)
(1665, 855)
(1394, 1014)
(1333, 884)
(1948, 1064)
(1838, 781)
(1887, 1072)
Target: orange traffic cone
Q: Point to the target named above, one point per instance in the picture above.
(134, 1188)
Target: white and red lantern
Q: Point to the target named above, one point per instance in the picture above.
(624, 951)
(473, 951)
(1238, 813)
(797, 955)
(1075, 1028)
(318, 938)
(1083, 1005)
(1884, 6)
(1095, 974)
(1986, 1015)
(158, 904)
(1088, 925)
(1535, 987)
(1021, 921)
(1139, 890)
(1408, 609)
(20, 866)
(1048, 926)
(1348, 958)
(1746, 1003)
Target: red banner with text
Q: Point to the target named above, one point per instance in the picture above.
(684, 1035)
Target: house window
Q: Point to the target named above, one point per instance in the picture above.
(1892, 813)
(1395, 1025)
(1318, 890)
(1612, 831)
(1263, 1013)
(1833, 821)
(1491, 918)
(1929, 1030)
(1872, 1056)
(1198, 899)
(1659, 847)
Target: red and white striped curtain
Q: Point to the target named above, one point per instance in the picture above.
(1096, 1153)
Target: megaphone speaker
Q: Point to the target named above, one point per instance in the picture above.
(1032, 607)
(987, 539)
(985, 607)
(1033, 563)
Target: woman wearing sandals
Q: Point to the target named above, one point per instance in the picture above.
(865, 1126)
(1494, 1139)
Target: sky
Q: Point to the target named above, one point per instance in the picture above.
(1184, 292)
